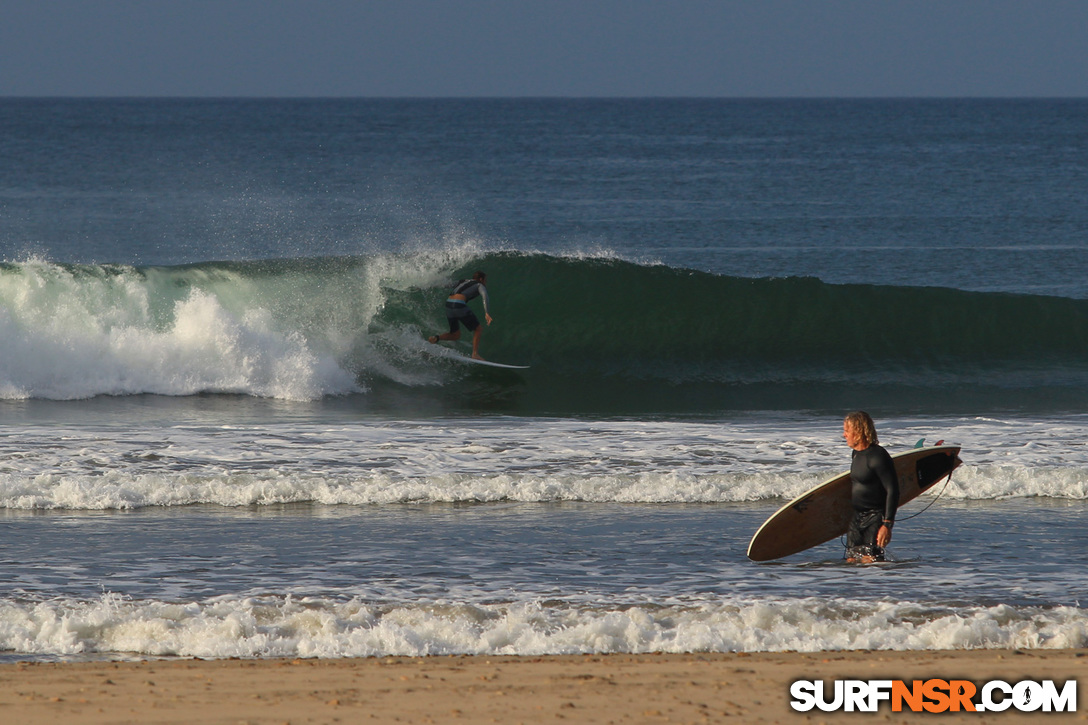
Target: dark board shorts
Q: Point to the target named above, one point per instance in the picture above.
(461, 314)
(861, 536)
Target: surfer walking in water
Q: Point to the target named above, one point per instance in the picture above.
(874, 490)
(459, 313)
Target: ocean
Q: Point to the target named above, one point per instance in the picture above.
(223, 433)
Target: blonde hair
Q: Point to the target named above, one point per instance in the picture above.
(863, 425)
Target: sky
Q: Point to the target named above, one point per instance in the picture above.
(546, 48)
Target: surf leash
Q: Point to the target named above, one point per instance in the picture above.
(947, 479)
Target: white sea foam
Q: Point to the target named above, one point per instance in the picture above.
(70, 335)
(286, 626)
(120, 491)
(510, 459)
(298, 334)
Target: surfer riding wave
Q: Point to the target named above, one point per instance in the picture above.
(459, 313)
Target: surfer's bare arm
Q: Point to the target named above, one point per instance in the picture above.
(483, 296)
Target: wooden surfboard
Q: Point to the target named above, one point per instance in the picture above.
(824, 512)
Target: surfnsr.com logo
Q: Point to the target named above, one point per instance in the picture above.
(934, 695)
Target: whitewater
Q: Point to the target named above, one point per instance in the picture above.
(223, 433)
(308, 329)
(453, 460)
(512, 535)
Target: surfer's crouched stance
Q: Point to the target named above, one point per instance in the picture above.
(874, 491)
(459, 313)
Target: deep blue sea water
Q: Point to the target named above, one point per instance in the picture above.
(222, 432)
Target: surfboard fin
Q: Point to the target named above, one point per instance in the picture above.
(921, 442)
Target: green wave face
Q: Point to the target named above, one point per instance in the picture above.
(602, 337)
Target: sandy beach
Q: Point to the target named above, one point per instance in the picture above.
(688, 688)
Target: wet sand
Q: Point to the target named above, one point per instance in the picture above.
(689, 688)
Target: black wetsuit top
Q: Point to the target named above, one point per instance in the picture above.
(874, 484)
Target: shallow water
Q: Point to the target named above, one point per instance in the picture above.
(221, 433)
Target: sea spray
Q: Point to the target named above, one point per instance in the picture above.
(604, 337)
